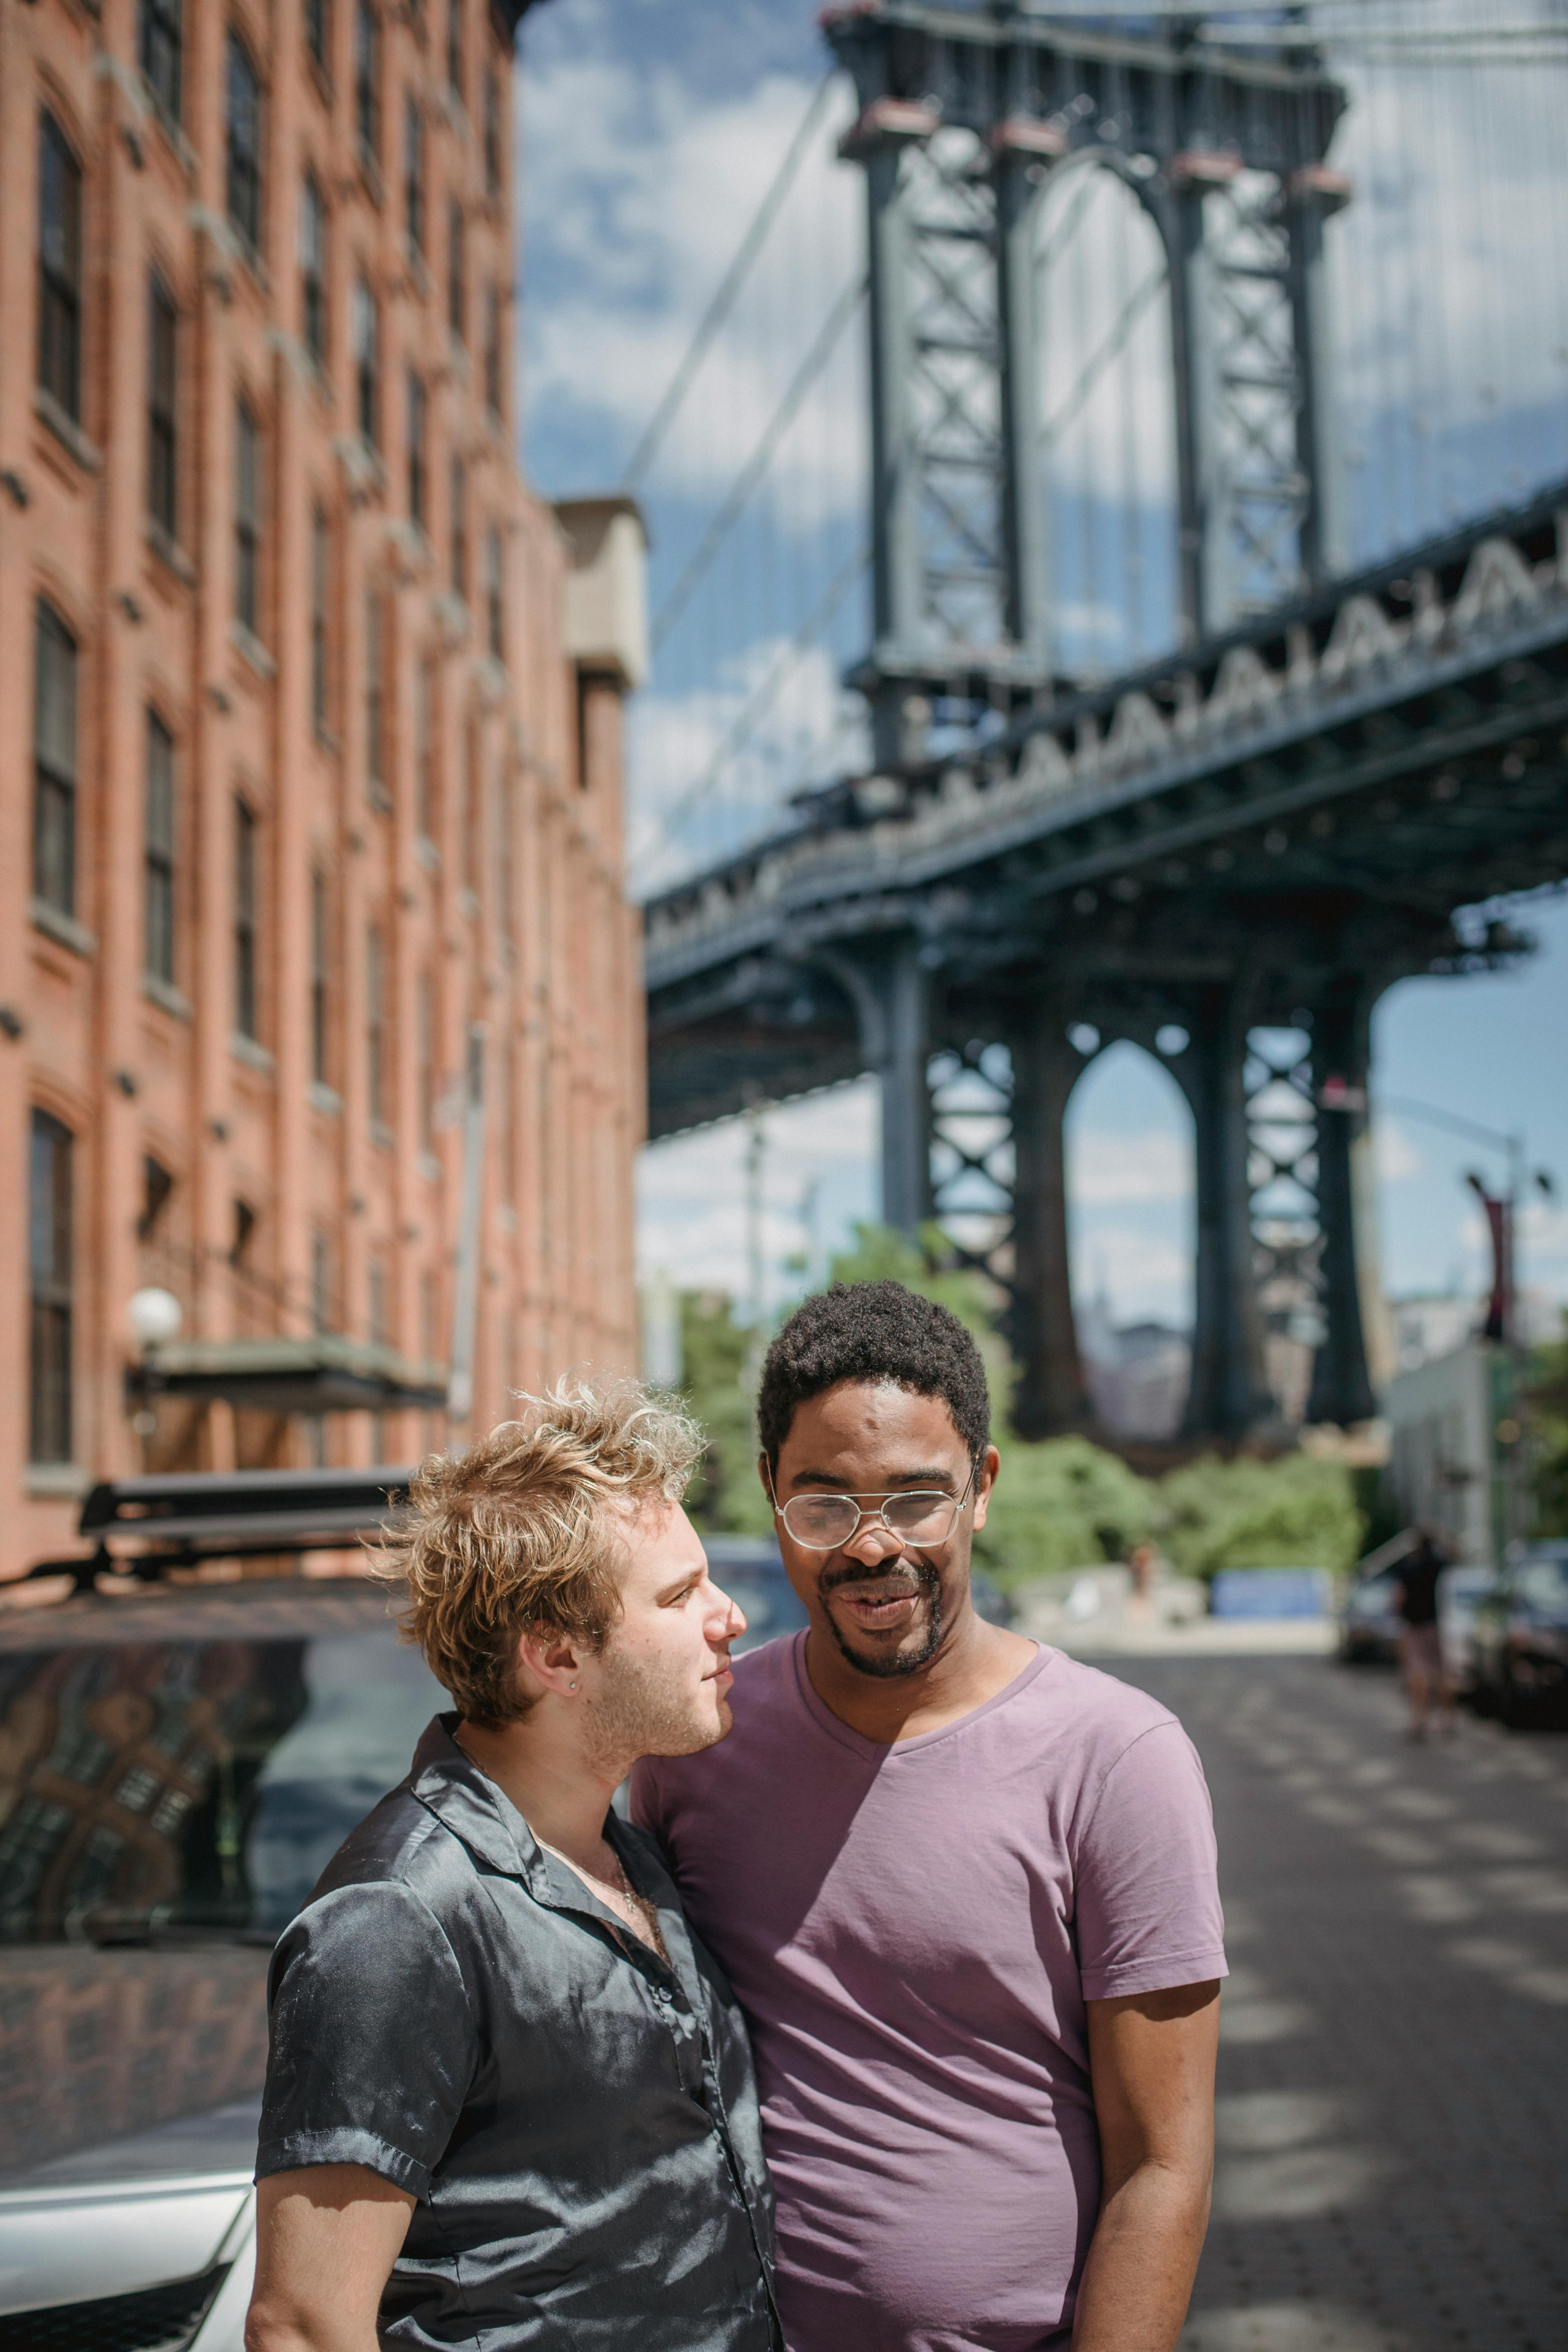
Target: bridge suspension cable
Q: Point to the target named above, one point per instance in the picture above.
(757, 464)
(724, 299)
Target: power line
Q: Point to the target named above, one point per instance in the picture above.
(1098, 361)
(762, 456)
(723, 301)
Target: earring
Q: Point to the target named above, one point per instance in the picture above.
(571, 1685)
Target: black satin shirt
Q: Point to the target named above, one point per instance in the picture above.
(579, 2121)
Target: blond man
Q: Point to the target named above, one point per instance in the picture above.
(510, 2099)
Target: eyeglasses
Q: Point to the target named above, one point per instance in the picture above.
(823, 1522)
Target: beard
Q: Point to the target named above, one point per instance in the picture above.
(884, 1666)
(640, 1710)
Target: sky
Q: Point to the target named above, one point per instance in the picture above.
(648, 137)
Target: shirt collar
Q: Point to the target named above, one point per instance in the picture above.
(468, 1803)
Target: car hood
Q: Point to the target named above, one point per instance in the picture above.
(170, 2203)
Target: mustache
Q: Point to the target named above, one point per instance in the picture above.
(920, 1572)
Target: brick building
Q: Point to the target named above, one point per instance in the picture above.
(319, 993)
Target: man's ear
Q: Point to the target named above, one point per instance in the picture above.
(765, 1476)
(985, 1479)
(547, 1661)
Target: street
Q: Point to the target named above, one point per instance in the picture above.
(1392, 2111)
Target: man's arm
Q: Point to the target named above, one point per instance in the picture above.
(1152, 2064)
(326, 2239)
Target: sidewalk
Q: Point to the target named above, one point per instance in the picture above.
(1097, 1616)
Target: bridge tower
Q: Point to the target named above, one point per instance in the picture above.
(965, 121)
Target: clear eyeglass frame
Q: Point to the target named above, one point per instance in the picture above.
(930, 1517)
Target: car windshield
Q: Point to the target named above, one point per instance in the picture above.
(174, 1774)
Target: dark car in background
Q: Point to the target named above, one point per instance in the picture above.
(1368, 1628)
(1519, 1642)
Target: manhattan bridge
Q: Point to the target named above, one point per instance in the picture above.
(1196, 666)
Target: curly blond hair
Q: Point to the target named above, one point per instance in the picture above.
(523, 1533)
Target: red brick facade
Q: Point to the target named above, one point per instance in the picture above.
(299, 788)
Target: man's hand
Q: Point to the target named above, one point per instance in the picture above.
(326, 2239)
(1151, 2061)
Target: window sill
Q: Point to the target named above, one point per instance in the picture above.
(429, 1166)
(326, 1100)
(381, 1135)
(451, 615)
(65, 1481)
(162, 993)
(252, 1054)
(379, 798)
(64, 929)
(169, 552)
(67, 431)
(427, 854)
(251, 650)
(361, 461)
(369, 173)
(468, 904)
(327, 741)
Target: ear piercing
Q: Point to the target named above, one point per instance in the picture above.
(571, 1685)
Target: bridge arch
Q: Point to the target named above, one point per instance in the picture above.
(1104, 393)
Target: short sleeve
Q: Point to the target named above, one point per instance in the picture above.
(372, 2045)
(1148, 1909)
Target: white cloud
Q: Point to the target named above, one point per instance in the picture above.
(1143, 1274)
(1396, 1158)
(1106, 1168)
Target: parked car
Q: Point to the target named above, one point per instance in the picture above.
(1368, 1630)
(1519, 1641)
(1460, 1591)
(182, 1763)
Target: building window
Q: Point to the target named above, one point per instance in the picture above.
(414, 172)
(423, 780)
(416, 494)
(495, 605)
(49, 1269)
(321, 579)
(375, 1026)
(457, 288)
(375, 694)
(245, 990)
(247, 519)
(321, 958)
(317, 31)
(455, 45)
(425, 1062)
(59, 269)
(244, 159)
(163, 446)
(376, 1302)
(493, 350)
(368, 341)
(313, 269)
(492, 135)
(368, 78)
(459, 521)
(159, 852)
(158, 45)
(157, 1185)
(54, 761)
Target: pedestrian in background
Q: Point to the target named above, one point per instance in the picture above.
(1420, 1643)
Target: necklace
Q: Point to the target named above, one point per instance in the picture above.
(618, 1894)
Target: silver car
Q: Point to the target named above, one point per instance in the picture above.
(178, 1769)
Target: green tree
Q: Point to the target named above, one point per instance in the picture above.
(1063, 1503)
(1290, 1513)
(724, 1495)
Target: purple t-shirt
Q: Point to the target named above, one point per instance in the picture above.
(914, 1932)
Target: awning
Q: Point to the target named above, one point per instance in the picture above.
(323, 1374)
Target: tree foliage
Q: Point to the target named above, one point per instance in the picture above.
(1059, 1505)
(1290, 1513)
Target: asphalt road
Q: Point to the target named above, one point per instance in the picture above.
(1393, 2113)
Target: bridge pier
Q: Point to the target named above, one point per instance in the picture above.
(1228, 1395)
(1051, 1396)
(889, 988)
(1342, 1387)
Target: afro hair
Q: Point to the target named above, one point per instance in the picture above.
(873, 1331)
